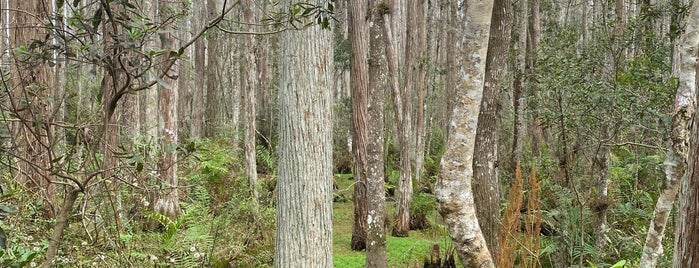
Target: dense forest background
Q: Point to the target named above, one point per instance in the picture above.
(348, 133)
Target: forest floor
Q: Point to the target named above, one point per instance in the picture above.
(401, 251)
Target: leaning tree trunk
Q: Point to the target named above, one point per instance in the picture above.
(304, 185)
(359, 90)
(453, 189)
(486, 187)
(376, 193)
(687, 232)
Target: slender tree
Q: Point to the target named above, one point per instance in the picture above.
(486, 186)
(304, 185)
(167, 202)
(453, 189)
(359, 88)
(376, 193)
(248, 77)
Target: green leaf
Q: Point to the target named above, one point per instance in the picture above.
(619, 264)
(59, 4)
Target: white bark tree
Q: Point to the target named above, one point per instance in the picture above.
(686, 253)
(453, 189)
(675, 160)
(304, 185)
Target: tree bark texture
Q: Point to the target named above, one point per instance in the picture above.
(453, 189)
(486, 186)
(359, 82)
(304, 184)
(214, 83)
(248, 77)
(675, 167)
(687, 231)
(417, 51)
(167, 202)
(30, 101)
(376, 193)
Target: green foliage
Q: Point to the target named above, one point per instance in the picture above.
(21, 256)
(422, 204)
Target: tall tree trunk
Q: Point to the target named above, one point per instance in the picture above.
(304, 185)
(453, 190)
(167, 202)
(30, 101)
(675, 164)
(486, 186)
(533, 39)
(376, 193)
(214, 81)
(687, 231)
(359, 88)
(199, 20)
(417, 37)
(518, 96)
(249, 79)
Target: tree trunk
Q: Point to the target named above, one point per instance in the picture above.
(486, 186)
(32, 134)
(453, 190)
(199, 20)
(249, 79)
(304, 185)
(518, 99)
(402, 109)
(675, 166)
(214, 82)
(417, 38)
(167, 202)
(376, 193)
(687, 231)
(359, 88)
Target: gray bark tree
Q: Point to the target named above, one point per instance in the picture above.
(686, 252)
(376, 193)
(675, 165)
(453, 189)
(304, 185)
(167, 202)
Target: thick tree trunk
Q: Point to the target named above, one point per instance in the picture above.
(376, 193)
(486, 186)
(687, 231)
(32, 134)
(359, 88)
(304, 185)
(675, 167)
(453, 189)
